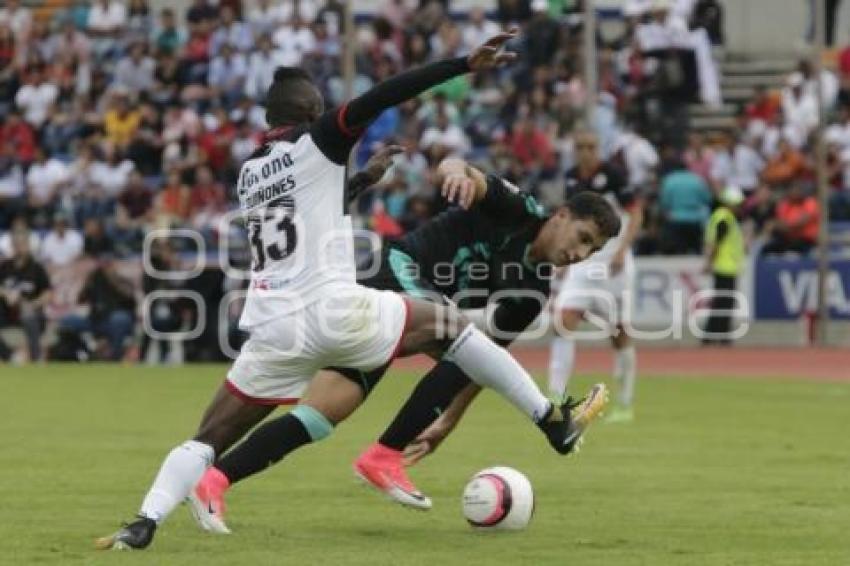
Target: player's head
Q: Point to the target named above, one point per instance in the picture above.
(578, 229)
(292, 99)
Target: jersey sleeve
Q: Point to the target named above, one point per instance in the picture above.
(337, 131)
(333, 138)
(505, 203)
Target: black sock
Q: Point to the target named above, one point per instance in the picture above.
(432, 395)
(266, 446)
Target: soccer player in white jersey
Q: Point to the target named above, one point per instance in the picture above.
(304, 309)
(601, 284)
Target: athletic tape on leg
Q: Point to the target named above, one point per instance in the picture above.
(317, 425)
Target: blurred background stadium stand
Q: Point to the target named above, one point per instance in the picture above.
(121, 118)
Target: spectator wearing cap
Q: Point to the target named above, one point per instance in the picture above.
(62, 245)
(106, 306)
(725, 253)
(24, 292)
(796, 225)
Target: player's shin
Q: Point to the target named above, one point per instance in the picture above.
(179, 473)
(429, 399)
(272, 441)
(490, 365)
(625, 371)
(561, 362)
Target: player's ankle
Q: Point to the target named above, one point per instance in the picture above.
(217, 480)
(382, 450)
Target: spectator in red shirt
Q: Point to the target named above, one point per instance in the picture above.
(20, 136)
(532, 147)
(765, 106)
(216, 139)
(796, 225)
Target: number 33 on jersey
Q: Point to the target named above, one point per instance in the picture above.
(292, 200)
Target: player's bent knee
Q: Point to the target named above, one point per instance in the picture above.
(316, 424)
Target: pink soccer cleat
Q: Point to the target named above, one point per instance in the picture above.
(383, 469)
(206, 502)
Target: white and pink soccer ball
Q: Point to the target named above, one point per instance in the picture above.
(498, 498)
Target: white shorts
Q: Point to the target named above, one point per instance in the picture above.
(351, 327)
(589, 288)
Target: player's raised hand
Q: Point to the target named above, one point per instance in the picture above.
(490, 54)
(459, 188)
(378, 164)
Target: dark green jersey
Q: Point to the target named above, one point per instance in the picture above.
(468, 255)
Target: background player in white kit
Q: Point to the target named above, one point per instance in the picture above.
(596, 287)
(304, 309)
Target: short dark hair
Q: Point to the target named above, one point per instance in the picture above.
(292, 99)
(591, 206)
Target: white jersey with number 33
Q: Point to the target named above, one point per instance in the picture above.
(292, 200)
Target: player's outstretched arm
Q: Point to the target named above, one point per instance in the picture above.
(362, 110)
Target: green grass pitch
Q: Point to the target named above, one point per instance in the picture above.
(719, 472)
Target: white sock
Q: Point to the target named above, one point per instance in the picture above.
(625, 372)
(181, 470)
(562, 359)
(491, 366)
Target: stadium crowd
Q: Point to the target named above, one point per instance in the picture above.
(117, 121)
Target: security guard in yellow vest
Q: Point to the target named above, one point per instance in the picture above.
(725, 253)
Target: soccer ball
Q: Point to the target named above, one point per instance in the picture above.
(498, 498)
